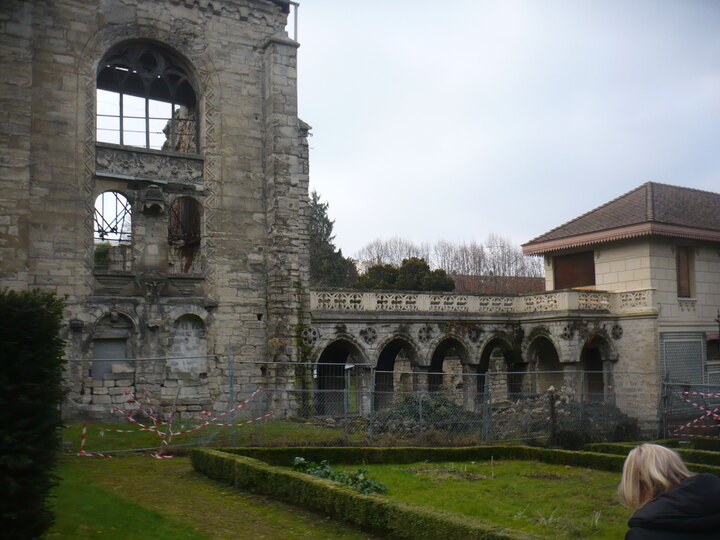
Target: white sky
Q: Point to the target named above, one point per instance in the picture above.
(450, 120)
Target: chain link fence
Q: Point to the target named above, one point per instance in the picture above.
(690, 410)
(200, 400)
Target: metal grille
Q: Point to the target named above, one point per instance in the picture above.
(683, 356)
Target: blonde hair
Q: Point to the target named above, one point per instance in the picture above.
(649, 470)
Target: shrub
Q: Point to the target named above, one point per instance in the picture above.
(102, 255)
(356, 479)
(416, 412)
(31, 381)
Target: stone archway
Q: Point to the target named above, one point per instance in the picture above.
(337, 383)
(393, 371)
(505, 367)
(594, 368)
(547, 360)
(447, 358)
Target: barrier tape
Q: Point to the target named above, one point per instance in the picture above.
(83, 440)
(167, 435)
(714, 413)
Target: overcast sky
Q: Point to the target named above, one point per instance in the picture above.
(451, 120)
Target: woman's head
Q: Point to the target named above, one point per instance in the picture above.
(649, 470)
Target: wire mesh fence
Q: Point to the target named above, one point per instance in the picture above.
(690, 410)
(174, 402)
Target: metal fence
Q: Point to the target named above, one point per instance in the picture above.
(200, 400)
(690, 410)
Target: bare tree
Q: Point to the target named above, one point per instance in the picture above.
(392, 251)
(496, 256)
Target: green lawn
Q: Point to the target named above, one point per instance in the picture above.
(135, 497)
(553, 501)
(101, 438)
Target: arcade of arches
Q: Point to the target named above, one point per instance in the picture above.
(508, 363)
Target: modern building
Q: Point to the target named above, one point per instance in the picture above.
(658, 237)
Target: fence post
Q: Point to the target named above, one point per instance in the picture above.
(231, 396)
(487, 407)
(553, 415)
(346, 404)
(420, 416)
(664, 385)
(371, 424)
(582, 399)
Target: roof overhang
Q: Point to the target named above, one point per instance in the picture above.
(620, 233)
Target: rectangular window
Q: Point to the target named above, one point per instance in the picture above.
(685, 271)
(574, 270)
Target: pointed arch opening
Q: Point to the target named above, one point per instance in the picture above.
(592, 366)
(393, 372)
(547, 360)
(338, 379)
(502, 371)
(445, 373)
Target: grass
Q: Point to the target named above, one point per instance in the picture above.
(101, 438)
(553, 501)
(135, 497)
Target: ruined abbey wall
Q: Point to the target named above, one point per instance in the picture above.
(231, 287)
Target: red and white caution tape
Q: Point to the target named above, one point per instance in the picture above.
(714, 413)
(83, 440)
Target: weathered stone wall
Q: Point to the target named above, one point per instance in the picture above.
(250, 176)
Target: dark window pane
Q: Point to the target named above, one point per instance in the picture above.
(574, 270)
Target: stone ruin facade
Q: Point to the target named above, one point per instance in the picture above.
(155, 173)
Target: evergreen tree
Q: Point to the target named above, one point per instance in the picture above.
(328, 267)
(413, 275)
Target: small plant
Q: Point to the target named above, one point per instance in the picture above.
(356, 479)
(102, 255)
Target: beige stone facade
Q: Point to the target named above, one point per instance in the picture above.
(237, 290)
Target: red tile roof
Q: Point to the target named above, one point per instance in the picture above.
(651, 209)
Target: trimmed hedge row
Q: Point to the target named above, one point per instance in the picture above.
(711, 445)
(367, 455)
(369, 512)
(695, 459)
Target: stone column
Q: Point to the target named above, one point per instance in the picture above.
(286, 185)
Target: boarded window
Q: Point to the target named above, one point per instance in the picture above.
(574, 270)
(685, 267)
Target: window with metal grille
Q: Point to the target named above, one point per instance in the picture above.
(184, 223)
(113, 219)
(145, 98)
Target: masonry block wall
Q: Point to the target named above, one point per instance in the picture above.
(241, 161)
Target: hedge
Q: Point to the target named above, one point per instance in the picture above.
(696, 460)
(31, 382)
(369, 512)
(367, 455)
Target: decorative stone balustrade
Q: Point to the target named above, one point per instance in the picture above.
(618, 303)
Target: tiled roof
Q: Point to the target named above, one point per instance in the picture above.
(652, 208)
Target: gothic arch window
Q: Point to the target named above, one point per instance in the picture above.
(112, 231)
(184, 224)
(145, 98)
